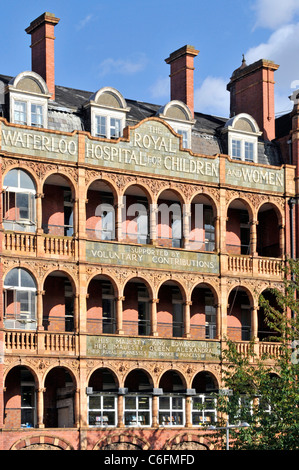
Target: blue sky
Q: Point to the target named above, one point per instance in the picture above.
(124, 44)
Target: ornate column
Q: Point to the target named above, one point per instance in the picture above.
(153, 223)
(39, 213)
(154, 322)
(217, 233)
(118, 220)
(254, 322)
(119, 315)
(187, 305)
(155, 411)
(120, 411)
(40, 407)
(186, 225)
(39, 309)
(253, 237)
(188, 407)
(77, 408)
(218, 321)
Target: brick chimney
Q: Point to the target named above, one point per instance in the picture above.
(181, 75)
(42, 48)
(251, 90)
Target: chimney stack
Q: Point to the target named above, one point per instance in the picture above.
(251, 90)
(42, 48)
(182, 76)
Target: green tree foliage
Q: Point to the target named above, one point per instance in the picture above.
(265, 390)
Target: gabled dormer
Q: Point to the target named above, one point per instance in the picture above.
(179, 117)
(27, 98)
(107, 110)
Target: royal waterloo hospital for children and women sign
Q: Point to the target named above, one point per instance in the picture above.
(151, 148)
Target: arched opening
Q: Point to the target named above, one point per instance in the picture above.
(135, 216)
(58, 206)
(239, 315)
(204, 403)
(138, 399)
(171, 407)
(19, 300)
(19, 201)
(58, 302)
(136, 308)
(59, 403)
(202, 227)
(268, 232)
(100, 213)
(170, 311)
(238, 228)
(102, 398)
(20, 399)
(101, 315)
(265, 332)
(169, 220)
(203, 313)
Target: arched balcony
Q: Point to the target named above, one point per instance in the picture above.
(170, 311)
(136, 308)
(170, 220)
(238, 228)
(100, 212)
(136, 215)
(102, 398)
(239, 315)
(269, 232)
(204, 323)
(59, 304)
(202, 230)
(101, 308)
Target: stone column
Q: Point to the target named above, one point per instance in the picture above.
(153, 223)
(218, 321)
(186, 225)
(188, 407)
(187, 305)
(155, 412)
(39, 309)
(118, 220)
(39, 213)
(253, 237)
(154, 322)
(254, 322)
(119, 315)
(40, 407)
(217, 233)
(120, 411)
(77, 408)
(282, 240)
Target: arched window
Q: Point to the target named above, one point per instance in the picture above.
(19, 300)
(19, 201)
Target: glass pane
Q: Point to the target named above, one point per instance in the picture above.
(22, 202)
(23, 302)
(95, 418)
(143, 403)
(11, 179)
(177, 419)
(130, 403)
(130, 418)
(108, 403)
(12, 278)
(144, 418)
(26, 279)
(95, 403)
(109, 418)
(26, 181)
(164, 403)
(177, 403)
(164, 419)
(36, 115)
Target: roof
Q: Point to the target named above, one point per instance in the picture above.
(67, 114)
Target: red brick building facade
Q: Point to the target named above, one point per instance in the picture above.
(135, 239)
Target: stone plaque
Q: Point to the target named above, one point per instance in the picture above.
(254, 176)
(153, 348)
(151, 257)
(39, 143)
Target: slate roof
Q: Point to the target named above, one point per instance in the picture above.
(66, 114)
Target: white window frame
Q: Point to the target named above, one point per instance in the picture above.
(243, 139)
(172, 411)
(137, 411)
(108, 115)
(29, 100)
(202, 413)
(102, 410)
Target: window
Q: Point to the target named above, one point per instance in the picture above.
(137, 410)
(101, 126)
(102, 410)
(108, 308)
(210, 313)
(107, 126)
(236, 149)
(20, 112)
(249, 152)
(18, 201)
(171, 410)
(28, 113)
(203, 410)
(184, 134)
(19, 300)
(36, 115)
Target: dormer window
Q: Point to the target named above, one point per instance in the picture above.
(28, 100)
(107, 113)
(178, 116)
(243, 133)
